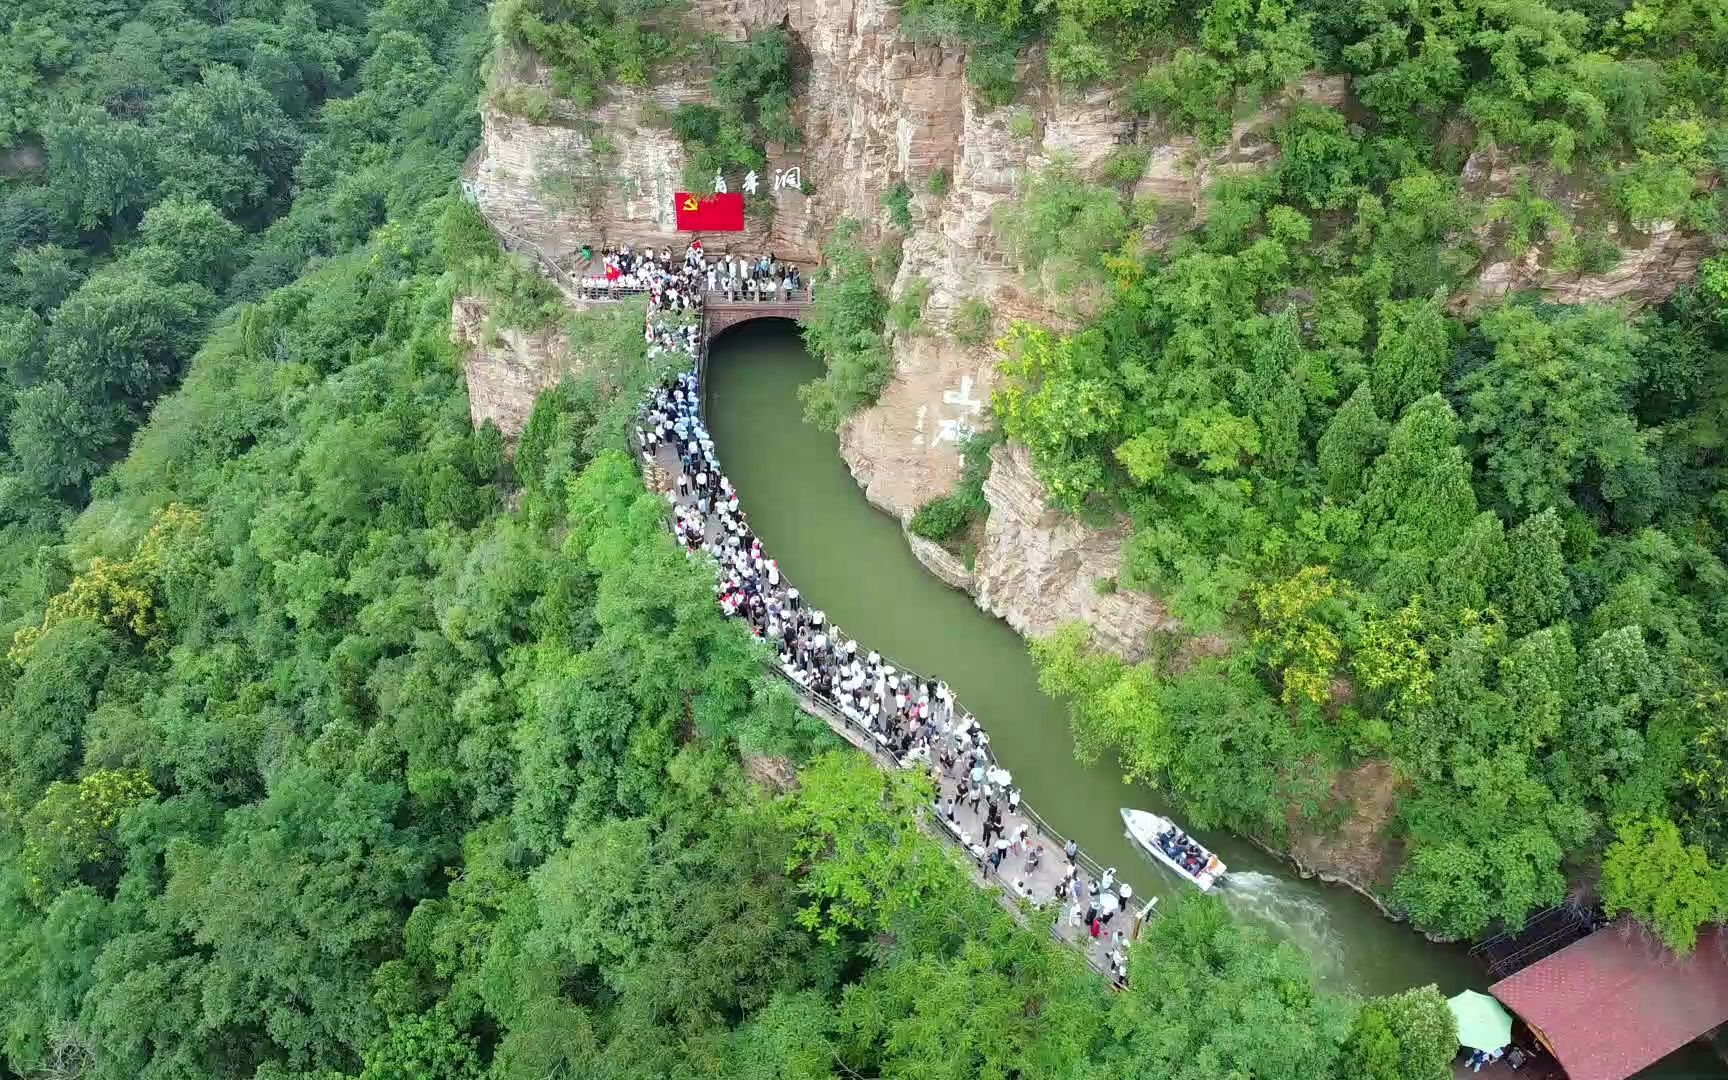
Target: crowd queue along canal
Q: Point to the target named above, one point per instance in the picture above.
(850, 560)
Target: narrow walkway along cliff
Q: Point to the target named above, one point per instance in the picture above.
(1026, 862)
(1351, 944)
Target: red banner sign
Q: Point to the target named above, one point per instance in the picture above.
(720, 212)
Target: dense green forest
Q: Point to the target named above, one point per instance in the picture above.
(334, 742)
(318, 761)
(1484, 544)
(165, 161)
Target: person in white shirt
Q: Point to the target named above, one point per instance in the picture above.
(1108, 905)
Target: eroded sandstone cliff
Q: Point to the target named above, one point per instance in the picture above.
(876, 109)
(506, 368)
(1032, 550)
(1654, 258)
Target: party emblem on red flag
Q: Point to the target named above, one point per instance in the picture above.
(720, 212)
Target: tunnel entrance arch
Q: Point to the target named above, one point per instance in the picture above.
(719, 316)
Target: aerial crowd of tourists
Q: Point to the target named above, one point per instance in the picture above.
(913, 718)
(678, 284)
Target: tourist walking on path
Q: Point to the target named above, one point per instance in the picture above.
(907, 717)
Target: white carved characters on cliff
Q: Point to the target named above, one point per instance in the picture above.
(958, 428)
(957, 421)
(784, 180)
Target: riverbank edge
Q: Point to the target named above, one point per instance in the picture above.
(655, 476)
(942, 563)
(948, 569)
(1309, 873)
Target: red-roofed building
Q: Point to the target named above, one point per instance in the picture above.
(1617, 1001)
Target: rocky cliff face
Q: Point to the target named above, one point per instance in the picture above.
(605, 175)
(1039, 567)
(873, 109)
(506, 369)
(1655, 258)
(876, 109)
(905, 447)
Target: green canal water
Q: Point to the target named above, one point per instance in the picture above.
(850, 560)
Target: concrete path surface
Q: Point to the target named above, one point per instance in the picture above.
(1014, 881)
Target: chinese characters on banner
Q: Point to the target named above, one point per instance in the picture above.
(723, 211)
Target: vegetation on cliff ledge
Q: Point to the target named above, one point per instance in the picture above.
(1483, 544)
(320, 757)
(843, 329)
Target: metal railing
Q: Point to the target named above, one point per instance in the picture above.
(1510, 951)
(1507, 936)
(1087, 863)
(875, 745)
(599, 289)
(524, 246)
(771, 296)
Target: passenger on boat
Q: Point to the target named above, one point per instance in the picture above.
(1185, 852)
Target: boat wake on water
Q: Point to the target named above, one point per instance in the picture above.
(1274, 903)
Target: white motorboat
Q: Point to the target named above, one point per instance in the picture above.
(1174, 848)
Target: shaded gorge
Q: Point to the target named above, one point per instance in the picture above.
(850, 560)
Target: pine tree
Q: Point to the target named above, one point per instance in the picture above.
(1420, 487)
(1535, 590)
(1412, 354)
(1473, 566)
(1355, 437)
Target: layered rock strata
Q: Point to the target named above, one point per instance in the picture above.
(506, 368)
(876, 110)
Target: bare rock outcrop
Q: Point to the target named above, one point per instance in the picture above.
(607, 176)
(506, 368)
(1652, 265)
(1655, 258)
(873, 108)
(906, 449)
(777, 774)
(1039, 568)
(940, 561)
